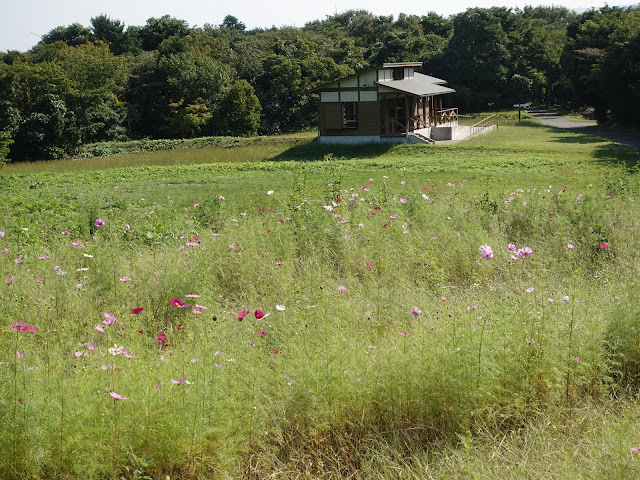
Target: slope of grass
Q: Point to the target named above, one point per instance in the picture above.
(324, 312)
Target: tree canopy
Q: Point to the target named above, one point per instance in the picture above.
(108, 81)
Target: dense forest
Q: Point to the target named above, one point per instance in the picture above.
(166, 79)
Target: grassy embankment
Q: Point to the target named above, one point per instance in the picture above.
(391, 348)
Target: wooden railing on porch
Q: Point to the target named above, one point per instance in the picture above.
(448, 115)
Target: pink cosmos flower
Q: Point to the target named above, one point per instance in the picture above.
(404, 334)
(511, 248)
(99, 223)
(179, 381)
(486, 252)
(192, 295)
(109, 318)
(18, 260)
(444, 299)
(8, 281)
(341, 288)
(262, 334)
(160, 338)
(243, 314)
(369, 265)
(135, 311)
(415, 311)
(125, 279)
(65, 232)
(78, 244)
(525, 252)
(176, 302)
(403, 200)
(604, 245)
(570, 245)
(99, 328)
(116, 396)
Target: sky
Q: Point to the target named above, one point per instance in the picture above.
(23, 21)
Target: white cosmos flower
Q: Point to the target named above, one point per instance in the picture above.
(281, 308)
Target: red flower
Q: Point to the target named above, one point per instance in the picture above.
(135, 311)
(258, 314)
(176, 302)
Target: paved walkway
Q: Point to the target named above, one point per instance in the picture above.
(628, 137)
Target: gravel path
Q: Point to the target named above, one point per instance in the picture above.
(627, 137)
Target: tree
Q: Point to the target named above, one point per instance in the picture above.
(279, 88)
(232, 23)
(159, 29)
(475, 61)
(240, 111)
(187, 120)
(35, 110)
(111, 32)
(73, 35)
(5, 143)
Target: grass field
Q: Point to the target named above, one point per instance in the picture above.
(274, 308)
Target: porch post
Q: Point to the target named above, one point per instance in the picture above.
(407, 106)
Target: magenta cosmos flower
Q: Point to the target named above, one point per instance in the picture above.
(176, 302)
(258, 314)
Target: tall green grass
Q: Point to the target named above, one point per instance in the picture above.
(339, 249)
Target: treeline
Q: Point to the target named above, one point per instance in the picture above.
(168, 80)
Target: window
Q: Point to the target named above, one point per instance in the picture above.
(349, 115)
(398, 73)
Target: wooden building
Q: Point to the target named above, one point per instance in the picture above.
(388, 104)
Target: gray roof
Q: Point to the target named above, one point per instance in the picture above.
(420, 85)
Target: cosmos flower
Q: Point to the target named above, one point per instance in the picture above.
(525, 252)
(486, 252)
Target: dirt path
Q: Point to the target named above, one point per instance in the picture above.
(628, 137)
